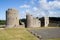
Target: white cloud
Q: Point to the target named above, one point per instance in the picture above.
(25, 6)
(43, 14)
(45, 8)
(35, 9)
(43, 1)
(44, 4)
(51, 13)
(27, 11)
(55, 4)
(54, 14)
(51, 5)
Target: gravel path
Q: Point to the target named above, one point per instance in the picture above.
(46, 33)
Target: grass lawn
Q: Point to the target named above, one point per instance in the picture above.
(16, 34)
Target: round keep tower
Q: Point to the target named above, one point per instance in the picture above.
(12, 18)
(29, 19)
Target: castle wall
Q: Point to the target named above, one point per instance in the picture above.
(32, 22)
(13, 21)
(36, 23)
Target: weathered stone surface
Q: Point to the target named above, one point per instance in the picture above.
(46, 21)
(12, 18)
(2, 26)
(29, 20)
(32, 22)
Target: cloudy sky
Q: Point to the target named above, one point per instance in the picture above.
(37, 8)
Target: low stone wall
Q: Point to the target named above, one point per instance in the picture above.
(2, 26)
(19, 26)
(54, 25)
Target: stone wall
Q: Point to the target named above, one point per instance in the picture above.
(2, 26)
(36, 22)
(13, 21)
(46, 21)
(32, 22)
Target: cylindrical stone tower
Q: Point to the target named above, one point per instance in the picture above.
(12, 18)
(29, 20)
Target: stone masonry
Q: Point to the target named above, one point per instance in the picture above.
(46, 21)
(32, 22)
(13, 21)
(12, 18)
(36, 22)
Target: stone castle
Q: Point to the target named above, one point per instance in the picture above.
(13, 21)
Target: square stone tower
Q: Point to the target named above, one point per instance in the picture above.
(46, 21)
(36, 22)
(12, 18)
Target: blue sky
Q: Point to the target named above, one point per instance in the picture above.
(35, 7)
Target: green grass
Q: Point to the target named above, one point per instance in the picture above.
(16, 34)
